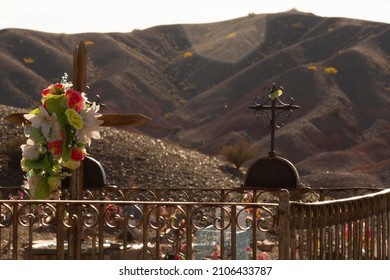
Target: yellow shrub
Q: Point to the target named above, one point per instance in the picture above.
(231, 35)
(187, 54)
(312, 67)
(330, 70)
(28, 60)
(88, 43)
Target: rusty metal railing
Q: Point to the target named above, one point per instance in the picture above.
(132, 230)
(352, 228)
(197, 224)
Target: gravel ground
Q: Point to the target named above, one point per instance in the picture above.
(129, 159)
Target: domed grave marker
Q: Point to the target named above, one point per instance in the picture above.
(272, 171)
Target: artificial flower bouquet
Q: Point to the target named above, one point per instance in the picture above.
(57, 135)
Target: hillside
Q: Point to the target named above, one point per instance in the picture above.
(130, 159)
(196, 82)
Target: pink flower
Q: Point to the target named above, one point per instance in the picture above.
(53, 89)
(262, 256)
(77, 154)
(55, 147)
(74, 99)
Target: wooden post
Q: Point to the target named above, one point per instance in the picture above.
(76, 182)
(79, 84)
(284, 225)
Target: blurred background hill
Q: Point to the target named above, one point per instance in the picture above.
(196, 82)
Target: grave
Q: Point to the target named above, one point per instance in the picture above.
(90, 173)
(272, 171)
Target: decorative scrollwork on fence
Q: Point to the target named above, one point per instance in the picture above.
(238, 196)
(90, 215)
(202, 217)
(27, 215)
(6, 215)
(141, 195)
(217, 216)
(206, 196)
(71, 215)
(223, 218)
(267, 196)
(113, 215)
(134, 216)
(267, 219)
(262, 217)
(174, 195)
(244, 218)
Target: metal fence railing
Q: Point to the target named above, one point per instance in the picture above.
(198, 224)
(352, 228)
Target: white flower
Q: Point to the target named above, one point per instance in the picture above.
(91, 127)
(31, 150)
(48, 123)
(32, 183)
(67, 86)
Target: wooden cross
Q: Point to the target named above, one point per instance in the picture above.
(79, 84)
(76, 182)
(276, 110)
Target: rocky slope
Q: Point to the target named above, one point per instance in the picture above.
(129, 159)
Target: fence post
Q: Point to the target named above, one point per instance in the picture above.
(284, 225)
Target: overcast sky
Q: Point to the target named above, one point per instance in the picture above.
(79, 16)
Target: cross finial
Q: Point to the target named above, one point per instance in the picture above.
(276, 108)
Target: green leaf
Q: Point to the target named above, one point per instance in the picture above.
(43, 190)
(54, 104)
(42, 163)
(35, 111)
(36, 135)
(58, 90)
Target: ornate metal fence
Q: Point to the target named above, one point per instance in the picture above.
(198, 224)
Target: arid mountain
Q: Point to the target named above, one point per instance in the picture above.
(196, 82)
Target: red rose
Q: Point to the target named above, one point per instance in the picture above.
(74, 99)
(77, 154)
(53, 89)
(55, 147)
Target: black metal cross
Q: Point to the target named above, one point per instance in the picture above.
(276, 107)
